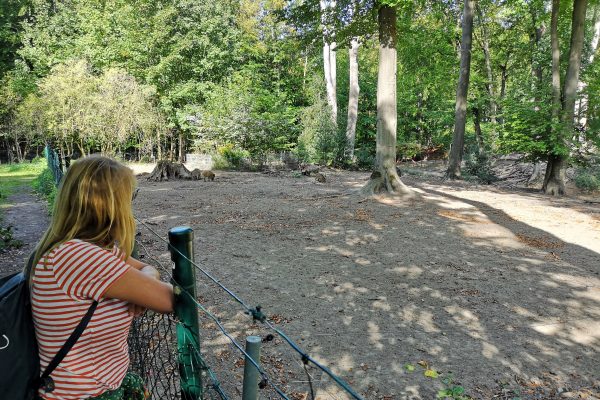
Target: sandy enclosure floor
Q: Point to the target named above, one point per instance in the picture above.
(500, 289)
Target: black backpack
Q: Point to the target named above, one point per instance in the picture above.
(19, 360)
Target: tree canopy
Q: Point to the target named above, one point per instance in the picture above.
(150, 77)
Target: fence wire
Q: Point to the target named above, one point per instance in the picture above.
(258, 317)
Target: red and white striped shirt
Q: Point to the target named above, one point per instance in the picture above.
(66, 282)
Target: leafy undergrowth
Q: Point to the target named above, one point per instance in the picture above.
(7, 241)
(44, 185)
(451, 388)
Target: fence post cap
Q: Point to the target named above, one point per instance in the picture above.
(180, 230)
(254, 339)
(180, 234)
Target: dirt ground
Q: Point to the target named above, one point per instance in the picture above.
(497, 290)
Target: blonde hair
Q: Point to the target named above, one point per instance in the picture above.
(93, 204)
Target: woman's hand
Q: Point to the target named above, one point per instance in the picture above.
(150, 271)
(135, 310)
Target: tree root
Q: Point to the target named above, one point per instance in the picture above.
(386, 183)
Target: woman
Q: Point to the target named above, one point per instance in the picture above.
(84, 257)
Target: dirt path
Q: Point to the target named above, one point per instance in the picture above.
(28, 216)
(499, 289)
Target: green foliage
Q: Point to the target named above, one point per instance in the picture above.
(528, 127)
(408, 150)
(365, 157)
(234, 156)
(247, 113)
(11, 17)
(320, 141)
(45, 187)
(588, 178)
(452, 390)
(7, 241)
(95, 112)
(479, 165)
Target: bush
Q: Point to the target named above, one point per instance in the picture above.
(479, 165)
(45, 187)
(234, 156)
(365, 157)
(320, 141)
(408, 150)
(588, 178)
(7, 241)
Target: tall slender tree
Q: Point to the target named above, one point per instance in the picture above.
(329, 55)
(554, 180)
(458, 139)
(354, 90)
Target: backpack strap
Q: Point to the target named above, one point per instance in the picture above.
(45, 381)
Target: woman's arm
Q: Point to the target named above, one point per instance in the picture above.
(145, 268)
(142, 288)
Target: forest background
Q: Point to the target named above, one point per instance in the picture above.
(243, 80)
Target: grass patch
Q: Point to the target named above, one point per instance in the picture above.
(13, 176)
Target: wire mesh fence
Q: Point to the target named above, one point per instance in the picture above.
(54, 164)
(153, 354)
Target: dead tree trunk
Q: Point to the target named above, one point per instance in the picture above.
(166, 170)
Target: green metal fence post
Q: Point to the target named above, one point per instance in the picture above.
(251, 375)
(181, 241)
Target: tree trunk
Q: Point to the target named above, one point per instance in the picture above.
(329, 58)
(352, 99)
(536, 66)
(478, 135)
(490, 76)
(158, 146)
(554, 181)
(458, 139)
(555, 60)
(535, 174)
(172, 147)
(503, 79)
(181, 147)
(385, 177)
(583, 105)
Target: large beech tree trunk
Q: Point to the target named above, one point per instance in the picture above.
(458, 138)
(384, 177)
(352, 99)
(554, 181)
